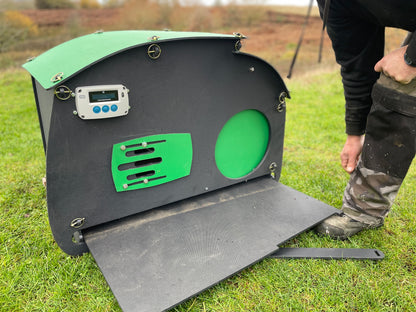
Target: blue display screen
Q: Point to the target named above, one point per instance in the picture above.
(103, 96)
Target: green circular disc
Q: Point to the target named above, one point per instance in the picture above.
(242, 143)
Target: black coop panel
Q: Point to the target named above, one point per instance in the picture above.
(164, 152)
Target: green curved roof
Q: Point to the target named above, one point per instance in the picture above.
(73, 56)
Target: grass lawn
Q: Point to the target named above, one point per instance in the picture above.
(37, 276)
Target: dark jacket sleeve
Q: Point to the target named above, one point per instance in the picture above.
(358, 45)
(411, 49)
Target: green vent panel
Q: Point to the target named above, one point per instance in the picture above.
(151, 161)
(242, 143)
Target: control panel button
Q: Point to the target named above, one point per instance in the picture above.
(101, 101)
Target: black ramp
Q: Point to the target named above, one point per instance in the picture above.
(157, 259)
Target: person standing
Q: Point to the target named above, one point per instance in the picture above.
(380, 97)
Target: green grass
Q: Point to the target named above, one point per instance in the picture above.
(37, 276)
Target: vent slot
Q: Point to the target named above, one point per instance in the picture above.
(141, 175)
(143, 144)
(140, 163)
(140, 152)
(147, 181)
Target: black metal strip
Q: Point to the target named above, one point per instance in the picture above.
(305, 24)
(329, 253)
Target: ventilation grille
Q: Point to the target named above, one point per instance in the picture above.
(151, 161)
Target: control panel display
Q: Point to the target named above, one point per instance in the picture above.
(103, 96)
(99, 102)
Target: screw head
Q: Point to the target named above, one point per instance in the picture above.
(154, 51)
(273, 166)
(77, 223)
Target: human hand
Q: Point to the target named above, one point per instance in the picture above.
(393, 65)
(351, 152)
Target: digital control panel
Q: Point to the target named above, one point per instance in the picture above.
(104, 101)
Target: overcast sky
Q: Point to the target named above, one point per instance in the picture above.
(280, 2)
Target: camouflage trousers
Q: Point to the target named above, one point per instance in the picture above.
(388, 150)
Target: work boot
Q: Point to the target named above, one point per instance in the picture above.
(341, 227)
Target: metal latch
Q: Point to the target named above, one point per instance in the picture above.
(272, 169)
